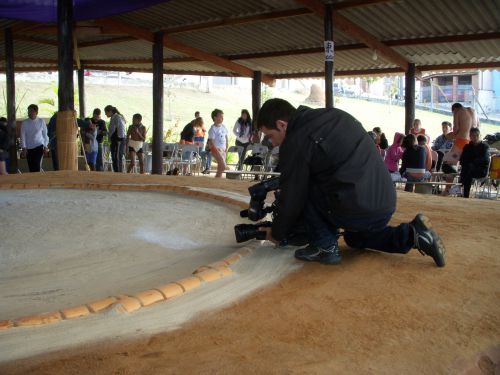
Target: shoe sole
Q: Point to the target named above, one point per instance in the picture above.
(439, 243)
(322, 261)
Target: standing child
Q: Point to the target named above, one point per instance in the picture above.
(217, 140)
(136, 135)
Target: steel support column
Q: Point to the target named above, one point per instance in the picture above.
(81, 91)
(11, 99)
(329, 56)
(409, 97)
(157, 149)
(256, 85)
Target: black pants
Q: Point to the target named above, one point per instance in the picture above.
(243, 153)
(370, 232)
(34, 157)
(439, 161)
(55, 161)
(117, 152)
(468, 172)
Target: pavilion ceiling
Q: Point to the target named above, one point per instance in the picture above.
(280, 38)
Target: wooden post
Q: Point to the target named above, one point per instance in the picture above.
(11, 99)
(256, 83)
(329, 56)
(81, 91)
(409, 97)
(65, 54)
(157, 156)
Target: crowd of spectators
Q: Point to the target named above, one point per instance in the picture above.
(412, 159)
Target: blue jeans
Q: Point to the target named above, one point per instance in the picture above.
(206, 159)
(372, 233)
(99, 164)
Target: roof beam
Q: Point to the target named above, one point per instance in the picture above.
(239, 20)
(359, 33)
(169, 43)
(107, 41)
(357, 3)
(356, 46)
(266, 16)
(340, 73)
(32, 39)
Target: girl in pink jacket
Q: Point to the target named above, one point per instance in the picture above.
(394, 153)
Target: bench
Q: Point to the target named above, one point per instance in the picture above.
(431, 186)
(240, 175)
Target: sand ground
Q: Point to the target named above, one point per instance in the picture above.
(374, 314)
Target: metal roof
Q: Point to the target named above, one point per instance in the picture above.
(280, 38)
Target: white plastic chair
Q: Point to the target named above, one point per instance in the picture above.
(188, 158)
(170, 149)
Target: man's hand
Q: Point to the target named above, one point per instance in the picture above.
(23, 154)
(269, 234)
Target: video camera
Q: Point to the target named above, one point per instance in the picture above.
(257, 210)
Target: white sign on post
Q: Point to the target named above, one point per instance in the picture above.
(329, 50)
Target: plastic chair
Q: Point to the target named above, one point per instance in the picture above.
(482, 186)
(188, 158)
(169, 156)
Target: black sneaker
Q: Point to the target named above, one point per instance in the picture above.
(426, 239)
(311, 253)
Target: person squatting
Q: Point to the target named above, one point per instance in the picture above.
(334, 179)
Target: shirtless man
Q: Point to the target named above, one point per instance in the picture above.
(464, 119)
(136, 135)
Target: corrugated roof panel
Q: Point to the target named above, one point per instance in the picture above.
(281, 35)
(34, 50)
(426, 18)
(178, 12)
(128, 50)
(463, 52)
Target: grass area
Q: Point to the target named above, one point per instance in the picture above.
(181, 103)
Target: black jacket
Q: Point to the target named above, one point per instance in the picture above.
(478, 155)
(330, 149)
(413, 158)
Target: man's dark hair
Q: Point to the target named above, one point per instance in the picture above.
(197, 113)
(408, 141)
(421, 139)
(3, 119)
(33, 107)
(475, 130)
(447, 123)
(137, 116)
(96, 111)
(274, 110)
(455, 106)
(215, 112)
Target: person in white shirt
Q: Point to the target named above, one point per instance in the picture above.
(217, 140)
(243, 132)
(116, 136)
(34, 139)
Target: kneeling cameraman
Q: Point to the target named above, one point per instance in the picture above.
(333, 177)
